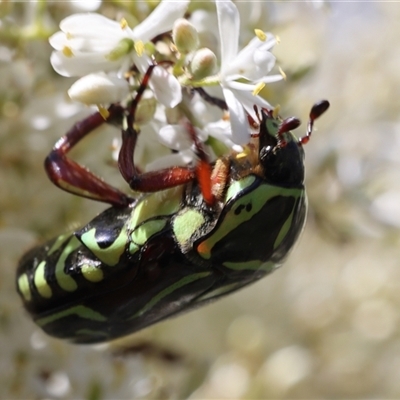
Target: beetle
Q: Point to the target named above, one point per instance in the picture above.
(194, 234)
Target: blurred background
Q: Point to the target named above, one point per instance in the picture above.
(325, 325)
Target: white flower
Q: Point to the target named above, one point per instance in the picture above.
(177, 138)
(90, 43)
(222, 131)
(252, 63)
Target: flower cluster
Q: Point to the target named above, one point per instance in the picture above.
(109, 57)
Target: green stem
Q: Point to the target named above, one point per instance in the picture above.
(209, 81)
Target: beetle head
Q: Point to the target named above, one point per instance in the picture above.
(281, 153)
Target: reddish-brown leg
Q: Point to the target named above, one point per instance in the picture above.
(164, 178)
(75, 178)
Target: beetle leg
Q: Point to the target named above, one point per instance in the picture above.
(219, 177)
(165, 178)
(203, 167)
(152, 181)
(75, 178)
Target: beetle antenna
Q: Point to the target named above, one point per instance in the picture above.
(316, 111)
(257, 112)
(286, 125)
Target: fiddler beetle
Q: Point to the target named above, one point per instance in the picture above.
(195, 233)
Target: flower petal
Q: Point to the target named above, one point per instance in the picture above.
(229, 26)
(178, 159)
(58, 41)
(254, 61)
(161, 19)
(90, 25)
(248, 101)
(263, 45)
(221, 130)
(270, 78)
(82, 65)
(238, 119)
(174, 137)
(239, 87)
(166, 87)
(167, 90)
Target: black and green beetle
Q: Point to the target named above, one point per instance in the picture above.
(195, 234)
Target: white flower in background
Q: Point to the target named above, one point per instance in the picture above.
(89, 43)
(87, 5)
(252, 63)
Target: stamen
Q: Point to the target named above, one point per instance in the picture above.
(282, 72)
(244, 153)
(260, 86)
(275, 111)
(67, 51)
(103, 112)
(240, 155)
(260, 34)
(139, 48)
(123, 23)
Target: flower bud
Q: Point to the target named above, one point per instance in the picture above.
(185, 36)
(203, 64)
(99, 88)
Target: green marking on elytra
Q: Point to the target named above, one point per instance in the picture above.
(65, 281)
(58, 243)
(256, 200)
(170, 289)
(255, 265)
(219, 291)
(269, 266)
(109, 255)
(133, 248)
(286, 226)
(238, 186)
(158, 204)
(41, 284)
(284, 230)
(92, 273)
(23, 287)
(80, 311)
(186, 224)
(143, 233)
